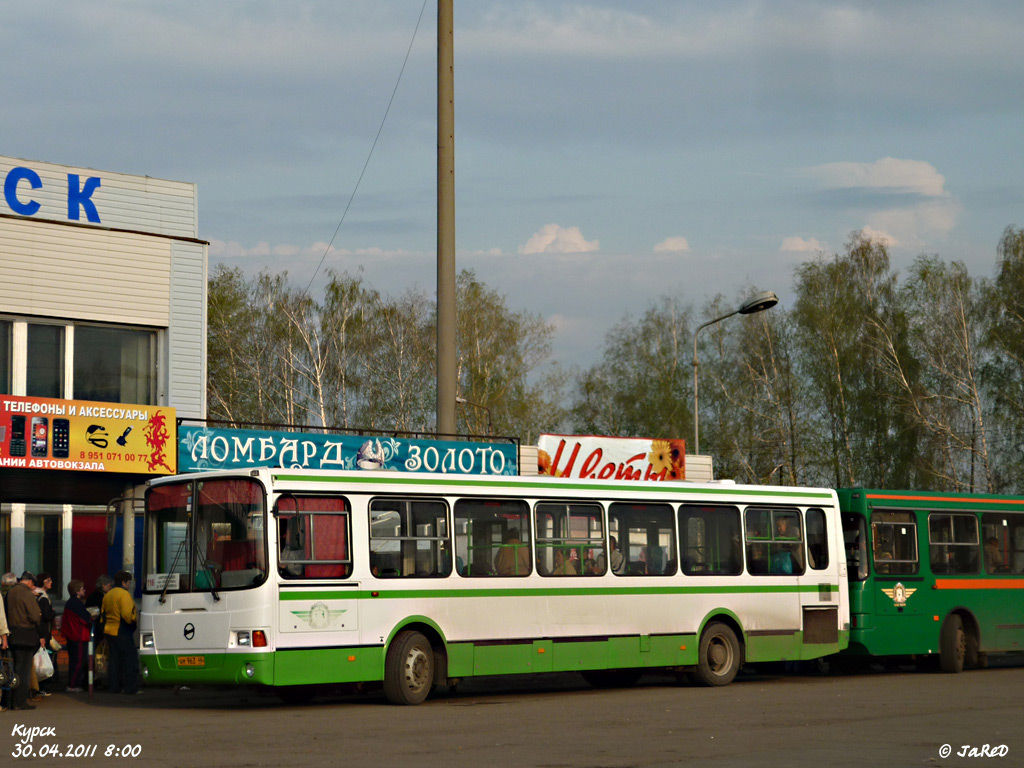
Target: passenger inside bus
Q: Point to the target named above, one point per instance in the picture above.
(993, 556)
(564, 565)
(513, 558)
(786, 558)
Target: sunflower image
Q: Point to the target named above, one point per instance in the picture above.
(544, 462)
(660, 457)
(677, 451)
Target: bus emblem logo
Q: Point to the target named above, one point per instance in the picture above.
(319, 615)
(899, 594)
(190, 631)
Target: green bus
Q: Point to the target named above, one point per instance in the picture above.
(934, 574)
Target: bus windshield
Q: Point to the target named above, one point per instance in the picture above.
(205, 535)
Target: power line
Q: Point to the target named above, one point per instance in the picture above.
(380, 129)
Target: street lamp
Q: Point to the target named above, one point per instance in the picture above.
(759, 302)
(490, 424)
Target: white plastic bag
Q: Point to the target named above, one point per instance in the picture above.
(44, 667)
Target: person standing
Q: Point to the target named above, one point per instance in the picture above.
(76, 625)
(43, 585)
(95, 600)
(4, 632)
(23, 618)
(119, 619)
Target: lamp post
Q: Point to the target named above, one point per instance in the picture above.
(759, 302)
(490, 424)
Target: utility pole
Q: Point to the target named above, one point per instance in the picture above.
(446, 373)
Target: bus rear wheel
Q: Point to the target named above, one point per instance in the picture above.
(718, 658)
(952, 645)
(409, 669)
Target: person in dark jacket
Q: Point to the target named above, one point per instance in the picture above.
(43, 585)
(23, 617)
(95, 600)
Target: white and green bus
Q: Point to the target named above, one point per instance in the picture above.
(292, 578)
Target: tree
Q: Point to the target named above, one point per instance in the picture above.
(499, 359)
(641, 386)
(753, 398)
(1004, 341)
(940, 384)
(845, 306)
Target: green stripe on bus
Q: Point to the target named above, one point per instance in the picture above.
(366, 593)
(663, 488)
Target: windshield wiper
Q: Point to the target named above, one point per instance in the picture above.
(203, 564)
(174, 562)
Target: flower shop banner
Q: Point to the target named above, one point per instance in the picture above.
(201, 448)
(612, 458)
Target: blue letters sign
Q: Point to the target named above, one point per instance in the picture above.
(201, 448)
(79, 194)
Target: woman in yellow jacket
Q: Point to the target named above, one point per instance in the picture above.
(119, 620)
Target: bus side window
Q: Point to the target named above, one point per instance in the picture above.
(953, 539)
(492, 537)
(710, 540)
(1004, 542)
(817, 540)
(313, 536)
(409, 538)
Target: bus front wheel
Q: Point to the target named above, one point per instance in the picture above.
(409, 669)
(719, 656)
(952, 645)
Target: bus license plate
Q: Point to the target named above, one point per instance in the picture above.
(191, 661)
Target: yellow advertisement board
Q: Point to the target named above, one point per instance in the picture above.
(42, 433)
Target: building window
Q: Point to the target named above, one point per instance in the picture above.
(115, 365)
(45, 369)
(44, 543)
(5, 357)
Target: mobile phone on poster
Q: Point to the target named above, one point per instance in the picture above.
(40, 435)
(18, 436)
(61, 438)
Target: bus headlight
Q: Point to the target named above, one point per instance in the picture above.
(250, 670)
(147, 640)
(244, 639)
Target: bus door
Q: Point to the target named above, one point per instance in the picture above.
(774, 553)
(317, 603)
(818, 564)
(901, 622)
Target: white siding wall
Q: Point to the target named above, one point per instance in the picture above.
(140, 265)
(138, 203)
(187, 333)
(53, 270)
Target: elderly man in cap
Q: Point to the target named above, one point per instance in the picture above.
(23, 617)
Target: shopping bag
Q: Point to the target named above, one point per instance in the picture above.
(100, 659)
(44, 667)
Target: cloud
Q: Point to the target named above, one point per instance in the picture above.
(889, 174)
(672, 245)
(879, 235)
(909, 226)
(552, 238)
(800, 245)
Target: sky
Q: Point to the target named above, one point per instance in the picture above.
(606, 153)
